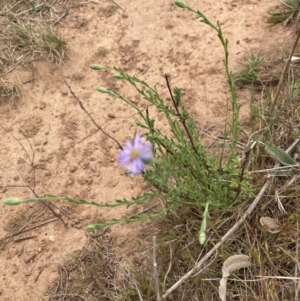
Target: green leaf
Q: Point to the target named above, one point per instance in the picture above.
(279, 154)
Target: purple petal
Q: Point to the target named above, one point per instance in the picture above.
(137, 141)
(128, 146)
(136, 166)
(124, 157)
(146, 152)
(124, 160)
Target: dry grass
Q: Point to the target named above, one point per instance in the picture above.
(28, 33)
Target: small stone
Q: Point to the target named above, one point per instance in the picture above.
(51, 238)
(126, 58)
(30, 251)
(14, 269)
(70, 182)
(79, 226)
(73, 168)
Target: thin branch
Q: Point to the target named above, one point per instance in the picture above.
(17, 141)
(286, 67)
(158, 298)
(58, 216)
(179, 114)
(18, 239)
(131, 277)
(184, 123)
(35, 226)
(118, 4)
(87, 113)
(32, 161)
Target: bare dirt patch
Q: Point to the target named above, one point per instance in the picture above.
(55, 149)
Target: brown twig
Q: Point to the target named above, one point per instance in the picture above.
(32, 165)
(9, 237)
(18, 239)
(286, 67)
(33, 227)
(86, 112)
(41, 269)
(131, 277)
(64, 212)
(114, 1)
(53, 211)
(158, 298)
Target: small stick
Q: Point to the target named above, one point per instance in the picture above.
(135, 284)
(158, 298)
(286, 67)
(118, 4)
(8, 132)
(49, 207)
(33, 227)
(28, 274)
(64, 212)
(9, 237)
(28, 81)
(87, 113)
(41, 269)
(297, 266)
(18, 239)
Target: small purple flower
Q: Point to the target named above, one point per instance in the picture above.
(136, 154)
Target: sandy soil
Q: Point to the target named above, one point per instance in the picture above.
(60, 151)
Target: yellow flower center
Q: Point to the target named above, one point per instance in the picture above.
(134, 154)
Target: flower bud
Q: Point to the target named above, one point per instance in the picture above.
(118, 76)
(102, 90)
(13, 201)
(180, 3)
(92, 227)
(96, 67)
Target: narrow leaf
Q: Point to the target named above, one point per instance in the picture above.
(279, 154)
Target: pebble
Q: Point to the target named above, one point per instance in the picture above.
(73, 168)
(51, 238)
(57, 212)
